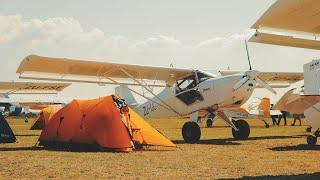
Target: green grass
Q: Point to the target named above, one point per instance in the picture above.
(276, 151)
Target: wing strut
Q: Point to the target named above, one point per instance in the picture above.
(146, 88)
(134, 91)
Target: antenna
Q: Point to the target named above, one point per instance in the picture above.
(250, 68)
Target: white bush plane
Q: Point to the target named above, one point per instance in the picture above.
(187, 92)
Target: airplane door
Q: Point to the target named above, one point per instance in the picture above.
(190, 96)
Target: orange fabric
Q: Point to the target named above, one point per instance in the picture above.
(89, 121)
(145, 134)
(44, 117)
(265, 107)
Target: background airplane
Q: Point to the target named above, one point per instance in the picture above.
(15, 97)
(258, 109)
(295, 23)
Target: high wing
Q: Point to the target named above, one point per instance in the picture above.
(282, 79)
(63, 69)
(283, 40)
(31, 87)
(294, 15)
(293, 23)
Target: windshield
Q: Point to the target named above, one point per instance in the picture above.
(202, 76)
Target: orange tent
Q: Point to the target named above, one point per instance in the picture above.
(44, 117)
(104, 121)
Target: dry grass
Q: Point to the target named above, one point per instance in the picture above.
(277, 151)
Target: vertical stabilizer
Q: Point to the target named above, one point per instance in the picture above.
(125, 93)
(264, 106)
(311, 72)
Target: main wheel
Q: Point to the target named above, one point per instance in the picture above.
(209, 123)
(191, 132)
(243, 130)
(312, 140)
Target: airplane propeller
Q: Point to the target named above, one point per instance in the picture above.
(252, 75)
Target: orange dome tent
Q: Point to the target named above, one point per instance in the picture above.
(44, 117)
(103, 121)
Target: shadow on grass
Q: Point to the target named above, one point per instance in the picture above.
(32, 148)
(211, 141)
(232, 141)
(300, 147)
(298, 176)
(274, 137)
(76, 147)
(26, 135)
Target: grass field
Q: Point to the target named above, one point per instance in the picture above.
(276, 152)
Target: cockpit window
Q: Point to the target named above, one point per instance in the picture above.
(186, 83)
(202, 77)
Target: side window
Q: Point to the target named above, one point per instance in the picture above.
(185, 84)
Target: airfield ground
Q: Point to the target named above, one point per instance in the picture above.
(276, 152)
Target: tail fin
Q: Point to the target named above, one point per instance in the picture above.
(125, 93)
(311, 72)
(265, 107)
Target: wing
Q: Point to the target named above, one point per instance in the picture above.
(63, 68)
(282, 40)
(31, 87)
(294, 15)
(291, 17)
(286, 78)
(33, 102)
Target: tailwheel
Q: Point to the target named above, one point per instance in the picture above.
(191, 132)
(243, 130)
(209, 122)
(311, 140)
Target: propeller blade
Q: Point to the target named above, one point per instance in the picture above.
(265, 85)
(240, 83)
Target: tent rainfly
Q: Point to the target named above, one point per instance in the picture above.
(105, 121)
(44, 117)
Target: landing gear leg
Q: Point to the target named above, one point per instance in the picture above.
(265, 123)
(312, 139)
(191, 131)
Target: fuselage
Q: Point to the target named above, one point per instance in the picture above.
(213, 94)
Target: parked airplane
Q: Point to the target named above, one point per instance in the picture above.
(193, 93)
(295, 23)
(258, 109)
(10, 104)
(305, 100)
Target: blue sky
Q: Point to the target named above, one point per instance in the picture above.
(206, 34)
